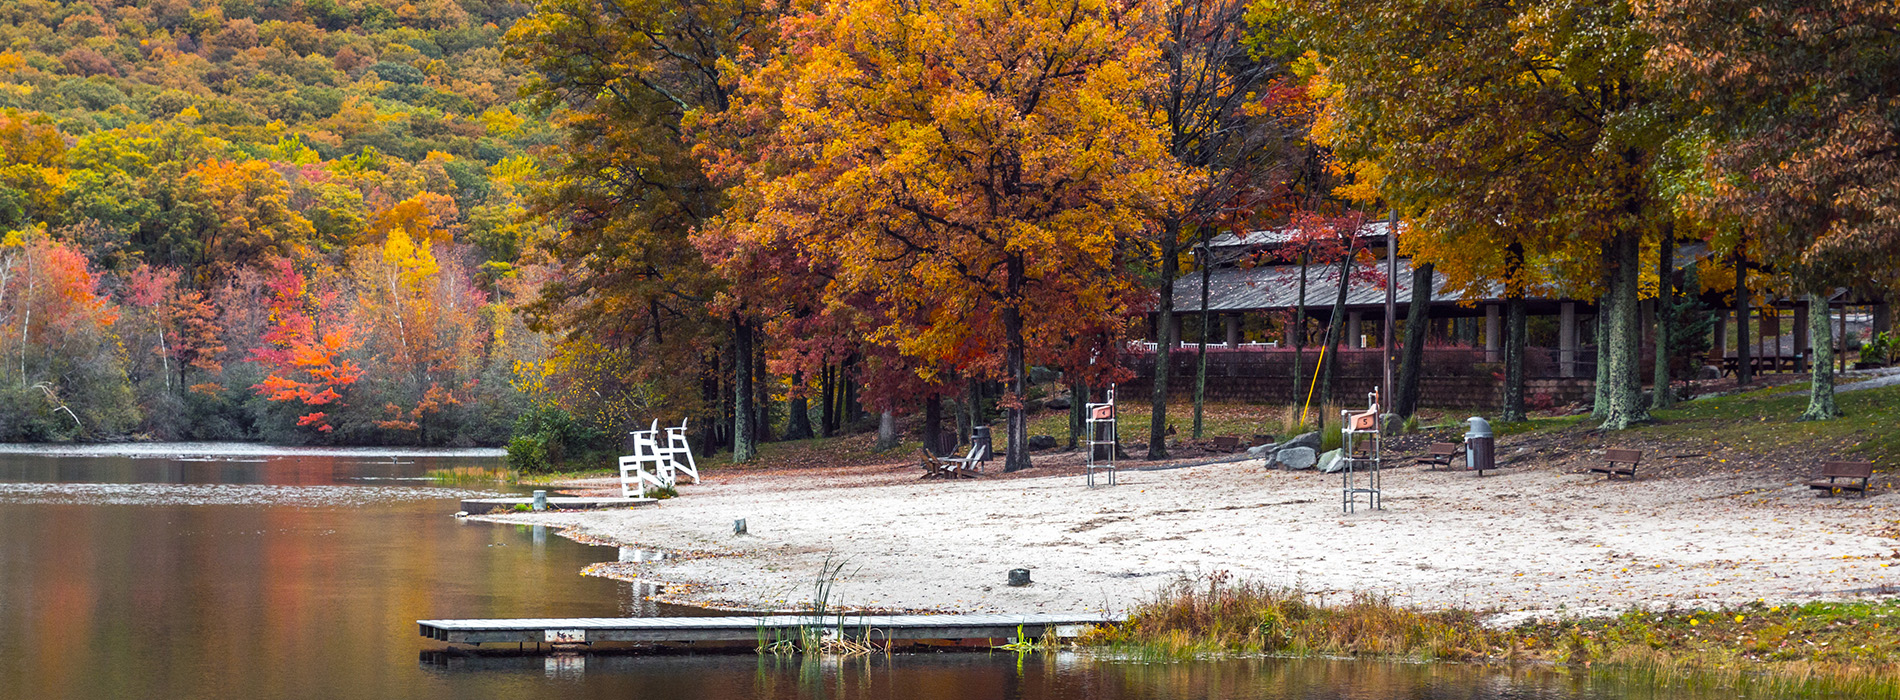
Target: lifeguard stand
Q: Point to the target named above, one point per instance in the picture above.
(1099, 422)
(1362, 454)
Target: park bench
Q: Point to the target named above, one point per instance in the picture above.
(1841, 476)
(1226, 443)
(1619, 462)
(1439, 454)
(968, 466)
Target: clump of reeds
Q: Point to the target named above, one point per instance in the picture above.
(1217, 614)
(825, 631)
(470, 476)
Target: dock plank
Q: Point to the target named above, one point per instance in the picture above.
(748, 627)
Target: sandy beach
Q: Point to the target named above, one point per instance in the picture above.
(1526, 541)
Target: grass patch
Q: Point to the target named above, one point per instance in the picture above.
(472, 476)
(1765, 418)
(1836, 648)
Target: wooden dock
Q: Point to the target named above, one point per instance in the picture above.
(478, 506)
(661, 630)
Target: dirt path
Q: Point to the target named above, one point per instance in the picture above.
(1527, 541)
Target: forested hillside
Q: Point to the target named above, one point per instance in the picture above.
(279, 219)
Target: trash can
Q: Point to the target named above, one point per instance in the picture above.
(980, 441)
(1480, 453)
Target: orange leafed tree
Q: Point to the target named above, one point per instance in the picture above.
(977, 168)
(305, 357)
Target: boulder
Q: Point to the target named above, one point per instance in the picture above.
(1042, 442)
(1709, 372)
(1057, 403)
(1295, 458)
(1330, 463)
(1263, 451)
(1306, 440)
(1392, 423)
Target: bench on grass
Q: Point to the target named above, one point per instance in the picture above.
(1617, 462)
(1841, 476)
(1226, 443)
(1439, 454)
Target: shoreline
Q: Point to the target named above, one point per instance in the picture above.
(233, 449)
(1533, 542)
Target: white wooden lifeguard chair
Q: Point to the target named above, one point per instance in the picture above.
(647, 467)
(1099, 421)
(679, 451)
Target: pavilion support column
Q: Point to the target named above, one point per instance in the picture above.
(1354, 339)
(1567, 340)
(1232, 322)
(1719, 348)
(1841, 338)
(1178, 338)
(1801, 335)
(1493, 331)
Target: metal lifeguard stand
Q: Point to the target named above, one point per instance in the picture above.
(1099, 421)
(1361, 453)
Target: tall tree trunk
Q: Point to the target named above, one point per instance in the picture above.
(798, 425)
(827, 414)
(1078, 407)
(1297, 334)
(762, 392)
(1335, 332)
(1514, 341)
(744, 448)
(933, 424)
(713, 398)
(966, 414)
(886, 430)
(1744, 368)
(1821, 381)
(852, 410)
(1417, 323)
(1662, 394)
(1016, 458)
(1164, 338)
(1626, 406)
(1200, 360)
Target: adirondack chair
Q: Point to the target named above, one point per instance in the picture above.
(680, 451)
(969, 466)
(646, 468)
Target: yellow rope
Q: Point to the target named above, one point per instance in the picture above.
(1309, 388)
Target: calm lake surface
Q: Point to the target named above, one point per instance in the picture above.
(201, 571)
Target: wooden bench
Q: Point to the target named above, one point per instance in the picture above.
(1619, 462)
(1841, 476)
(1439, 454)
(1226, 443)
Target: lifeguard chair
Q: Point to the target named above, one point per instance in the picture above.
(1361, 452)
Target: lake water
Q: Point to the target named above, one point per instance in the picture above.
(197, 571)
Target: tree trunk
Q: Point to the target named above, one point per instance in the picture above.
(933, 424)
(1200, 360)
(852, 410)
(1078, 404)
(1164, 339)
(1298, 337)
(827, 421)
(709, 438)
(762, 393)
(1619, 350)
(1744, 369)
(1514, 341)
(1016, 458)
(1821, 380)
(1335, 332)
(743, 446)
(886, 430)
(1662, 394)
(1417, 323)
(798, 426)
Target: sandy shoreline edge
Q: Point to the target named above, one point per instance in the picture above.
(1529, 542)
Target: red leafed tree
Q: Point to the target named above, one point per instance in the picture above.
(303, 348)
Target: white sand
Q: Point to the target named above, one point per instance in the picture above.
(1526, 542)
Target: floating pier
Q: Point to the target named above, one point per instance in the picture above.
(664, 630)
(478, 506)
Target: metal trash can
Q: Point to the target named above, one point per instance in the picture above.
(1480, 446)
(980, 439)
